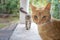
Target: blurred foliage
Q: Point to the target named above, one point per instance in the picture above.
(39, 3)
(10, 6)
(55, 6)
(55, 9)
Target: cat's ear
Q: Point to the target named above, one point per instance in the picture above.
(48, 6)
(32, 7)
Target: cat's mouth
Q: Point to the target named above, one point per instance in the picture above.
(40, 23)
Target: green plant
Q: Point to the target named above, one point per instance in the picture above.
(10, 6)
(55, 8)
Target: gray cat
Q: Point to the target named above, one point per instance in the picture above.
(27, 19)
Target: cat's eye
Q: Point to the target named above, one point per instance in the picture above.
(35, 17)
(44, 17)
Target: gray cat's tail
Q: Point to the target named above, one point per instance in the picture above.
(22, 10)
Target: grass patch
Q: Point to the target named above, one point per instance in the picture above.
(2, 25)
(11, 19)
(5, 21)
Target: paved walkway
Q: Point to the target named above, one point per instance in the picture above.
(5, 33)
(21, 33)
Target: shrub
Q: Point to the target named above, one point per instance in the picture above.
(10, 6)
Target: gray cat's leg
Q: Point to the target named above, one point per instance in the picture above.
(29, 24)
(26, 26)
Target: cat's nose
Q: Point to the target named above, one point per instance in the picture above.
(38, 22)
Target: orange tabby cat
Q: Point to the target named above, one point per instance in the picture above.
(48, 28)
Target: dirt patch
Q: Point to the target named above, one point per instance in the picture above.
(7, 21)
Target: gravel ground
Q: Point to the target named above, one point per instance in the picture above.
(20, 33)
(6, 32)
